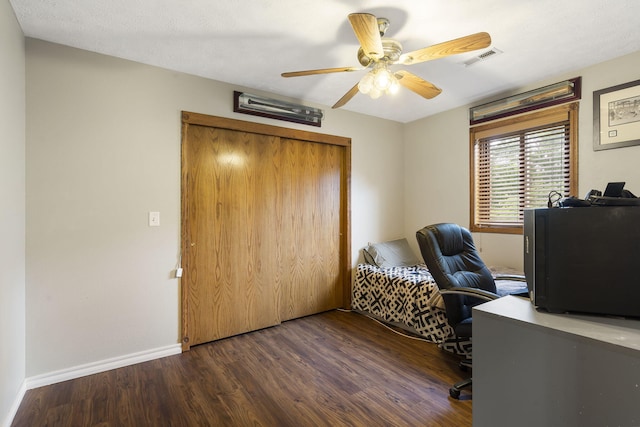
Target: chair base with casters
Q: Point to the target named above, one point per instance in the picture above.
(455, 389)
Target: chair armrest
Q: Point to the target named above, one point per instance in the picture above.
(472, 292)
(513, 277)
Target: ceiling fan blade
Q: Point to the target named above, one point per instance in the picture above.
(452, 47)
(417, 84)
(365, 25)
(320, 71)
(347, 97)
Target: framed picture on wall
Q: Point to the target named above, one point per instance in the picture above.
(616, 116)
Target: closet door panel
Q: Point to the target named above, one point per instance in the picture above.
(311, 176)
(231, 206)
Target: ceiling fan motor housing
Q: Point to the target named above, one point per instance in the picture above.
(392, 51)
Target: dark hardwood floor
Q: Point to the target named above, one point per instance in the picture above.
(331, 369)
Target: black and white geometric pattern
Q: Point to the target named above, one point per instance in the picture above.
(405, 295)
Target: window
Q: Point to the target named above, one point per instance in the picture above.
(517, 162)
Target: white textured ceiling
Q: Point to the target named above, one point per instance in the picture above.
(251, 42)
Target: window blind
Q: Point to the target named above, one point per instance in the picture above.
(517, 171)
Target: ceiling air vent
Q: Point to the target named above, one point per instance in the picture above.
(483, 56)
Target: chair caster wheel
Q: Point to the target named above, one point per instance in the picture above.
(465, 365)
(455, 393)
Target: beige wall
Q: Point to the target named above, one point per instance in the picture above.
(437, 162)
(12, 212)
(103, 149)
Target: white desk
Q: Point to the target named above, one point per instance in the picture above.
(532, 368)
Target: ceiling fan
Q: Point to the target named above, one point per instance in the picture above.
(378, 53)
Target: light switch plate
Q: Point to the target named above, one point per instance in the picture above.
(154, 219)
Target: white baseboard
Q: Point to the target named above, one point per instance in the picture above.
(16, 404)
(100, 366)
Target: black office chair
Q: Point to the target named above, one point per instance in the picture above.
(463, 279)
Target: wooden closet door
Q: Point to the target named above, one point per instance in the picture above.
(311, 175)
(231, 209)
(265, 226)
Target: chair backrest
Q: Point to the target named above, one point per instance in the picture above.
(453, 261)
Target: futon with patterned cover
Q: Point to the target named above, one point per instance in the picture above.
(394, 286)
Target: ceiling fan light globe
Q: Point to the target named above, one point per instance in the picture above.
(394, 87)
(366, 83)
(382, 79)
(375, 93)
